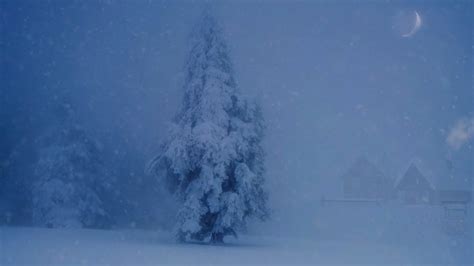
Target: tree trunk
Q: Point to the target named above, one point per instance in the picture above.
(217, 238)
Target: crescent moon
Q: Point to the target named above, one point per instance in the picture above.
(416, 27)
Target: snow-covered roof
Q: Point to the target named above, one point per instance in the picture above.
(362, 167)
(413, 179)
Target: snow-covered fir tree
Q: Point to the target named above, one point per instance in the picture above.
(70, 181)
(213, 160)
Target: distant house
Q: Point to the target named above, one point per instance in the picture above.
(455, 204)
(414, 188)
(363, 180)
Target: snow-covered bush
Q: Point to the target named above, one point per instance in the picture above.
(213, 159)
(70, 180)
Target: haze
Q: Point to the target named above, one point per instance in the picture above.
(336, 81)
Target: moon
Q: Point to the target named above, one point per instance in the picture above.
(415, 27)
(406, 22)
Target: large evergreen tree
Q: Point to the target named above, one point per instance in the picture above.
(213, 159)
(70, 182)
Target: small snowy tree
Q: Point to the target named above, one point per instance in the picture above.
(213, 159)
(69, 178)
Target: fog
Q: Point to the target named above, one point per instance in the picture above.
(337, 81)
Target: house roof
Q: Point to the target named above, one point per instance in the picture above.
(363, 168)
(413, 179)
(455, 195)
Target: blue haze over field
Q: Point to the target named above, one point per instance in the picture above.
(336, 81)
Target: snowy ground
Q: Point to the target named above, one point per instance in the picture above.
(34, 246)
(336, 234)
